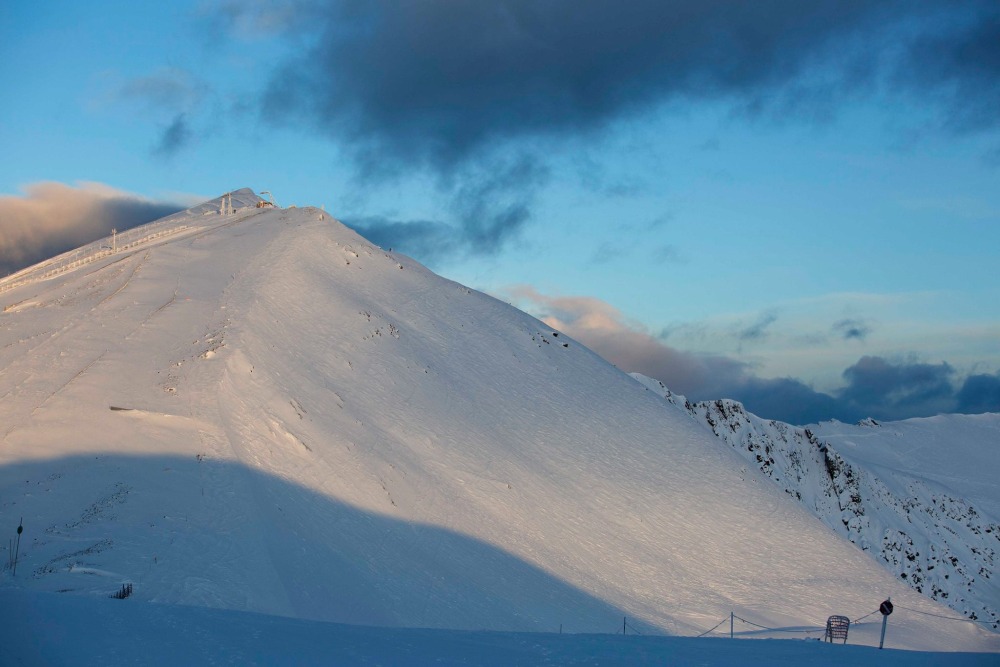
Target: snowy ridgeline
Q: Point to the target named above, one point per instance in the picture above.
(238, 204)
(918, 495)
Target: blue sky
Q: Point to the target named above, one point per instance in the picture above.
(792, 204)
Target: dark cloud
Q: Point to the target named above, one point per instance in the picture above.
(610, 252)
(490, 203)
(791, 401)
(51, 218)
(956, 62)
(435, 82)
(174, 137)
(980, 393)
(876, 387)
(595, 178)
(429, 240)
(661, 220)
(440, 86)
(757, 330)
(905, 388)
(171, 97)
(849, 329)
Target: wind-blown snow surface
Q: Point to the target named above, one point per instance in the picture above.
(271, 414)
(920, 495)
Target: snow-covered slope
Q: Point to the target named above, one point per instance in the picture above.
(921, 495)
(268, 413)
(46, 629)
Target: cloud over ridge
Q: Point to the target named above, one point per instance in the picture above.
(50, 218)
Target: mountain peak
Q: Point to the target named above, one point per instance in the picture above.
(265, 411)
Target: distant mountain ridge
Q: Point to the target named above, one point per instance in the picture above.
(934, 525)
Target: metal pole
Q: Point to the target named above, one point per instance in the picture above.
(885, 608)
(20, 528)
(731, 615)
(624, 618)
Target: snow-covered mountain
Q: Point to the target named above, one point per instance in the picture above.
(920, 495)
(265, 412)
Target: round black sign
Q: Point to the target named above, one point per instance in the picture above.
(885, 608)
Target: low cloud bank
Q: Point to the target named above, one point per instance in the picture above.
(875, 386)
(51, 218)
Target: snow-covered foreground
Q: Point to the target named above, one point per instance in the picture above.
(267, 413)
(48, 630)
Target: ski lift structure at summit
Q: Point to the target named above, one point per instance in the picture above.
(269, 202)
